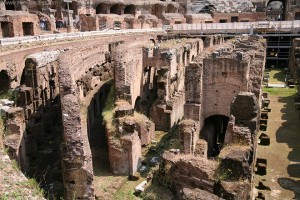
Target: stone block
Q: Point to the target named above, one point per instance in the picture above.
(201, 148)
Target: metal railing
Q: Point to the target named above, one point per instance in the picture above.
(231, 27)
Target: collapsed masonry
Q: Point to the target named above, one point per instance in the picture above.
(222, 86)
(203, 83)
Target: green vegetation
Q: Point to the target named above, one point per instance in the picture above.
(34, 186)
(11, 95)
(282, 92)
(277, 76)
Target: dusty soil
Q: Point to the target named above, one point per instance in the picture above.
(283, 154)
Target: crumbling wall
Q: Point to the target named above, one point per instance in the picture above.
(16, 20)
(76, 153)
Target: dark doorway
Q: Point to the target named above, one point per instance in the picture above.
(7, 29)
(213, 132)
(130, 9)
(4, 82)
(27, 28)
(223, 20)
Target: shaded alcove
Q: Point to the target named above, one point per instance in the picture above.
(213, 132)
(116, 9)
(149, 91)
(101, 8)
(97, 132)
(4, 82)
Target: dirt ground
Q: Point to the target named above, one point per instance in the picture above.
(283, 153)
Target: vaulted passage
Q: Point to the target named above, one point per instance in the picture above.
(96, 129)
(213, 132)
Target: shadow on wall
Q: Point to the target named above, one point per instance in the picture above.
(289, 133)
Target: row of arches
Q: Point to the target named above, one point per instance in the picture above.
(119, 9)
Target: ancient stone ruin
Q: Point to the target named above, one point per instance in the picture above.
(175, 110)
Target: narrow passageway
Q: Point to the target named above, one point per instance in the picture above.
(97, 135)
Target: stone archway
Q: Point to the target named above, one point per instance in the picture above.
(101, 8)
(130, 9)
(171, 9)
(115, 9)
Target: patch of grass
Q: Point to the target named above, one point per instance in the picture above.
(282, 92)
(277, 76)
(33, 185)
(109, 110)
(11, 95)
(15, 165)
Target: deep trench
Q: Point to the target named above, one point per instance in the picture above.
(213, 132)
(97, 133)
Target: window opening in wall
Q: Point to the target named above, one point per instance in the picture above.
(234, 19)
(6, 28)
(27, 28)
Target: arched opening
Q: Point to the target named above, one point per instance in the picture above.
(9, 5)
(157, 10)
(213, 132)
(130, 9)
(116, 9)
(4, 82)
(276, 10)
(101, 9)
(182, 10)
(171, 9)
(97, 132)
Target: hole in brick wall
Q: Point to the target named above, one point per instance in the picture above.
(213, 132)
(4, 82)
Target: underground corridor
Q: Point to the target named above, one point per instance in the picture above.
(213, 132)
(96, 129)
